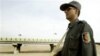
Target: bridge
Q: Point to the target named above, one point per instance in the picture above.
(17, 42)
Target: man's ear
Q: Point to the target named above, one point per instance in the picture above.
(77, 11)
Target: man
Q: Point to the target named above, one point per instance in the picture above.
(79, 38)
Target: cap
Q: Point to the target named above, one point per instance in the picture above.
(72, 4)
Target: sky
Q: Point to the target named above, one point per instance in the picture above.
(43, 18)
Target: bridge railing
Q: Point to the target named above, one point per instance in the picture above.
(17, 42)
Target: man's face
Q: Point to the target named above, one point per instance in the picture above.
(70, 13)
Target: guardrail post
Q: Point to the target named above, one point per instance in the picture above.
(15, 48)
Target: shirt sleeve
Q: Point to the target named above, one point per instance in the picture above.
(87, 33)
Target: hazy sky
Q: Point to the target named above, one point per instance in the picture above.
(43, 18)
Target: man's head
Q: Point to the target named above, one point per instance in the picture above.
(71, 8)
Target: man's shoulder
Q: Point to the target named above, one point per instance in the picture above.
(85, 24)
(83, 21)
(87, 27)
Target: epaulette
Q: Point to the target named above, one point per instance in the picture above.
(82, 22)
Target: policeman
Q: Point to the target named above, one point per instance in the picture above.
(79, 38)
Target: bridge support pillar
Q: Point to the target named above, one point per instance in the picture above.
(17, 47)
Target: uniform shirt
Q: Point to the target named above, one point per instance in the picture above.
(72, 41)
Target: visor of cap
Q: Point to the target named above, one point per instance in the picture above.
(65, 6)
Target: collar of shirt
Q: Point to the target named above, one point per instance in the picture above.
(72, 24)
